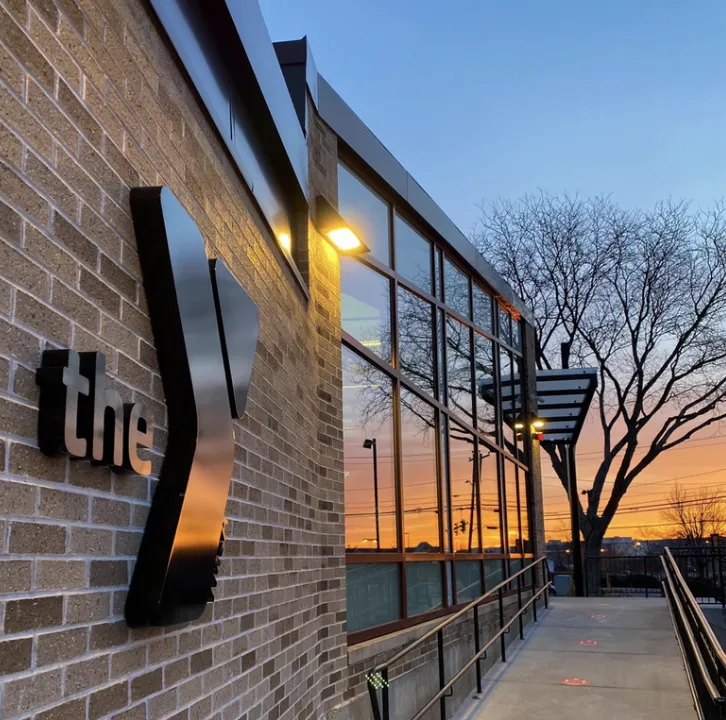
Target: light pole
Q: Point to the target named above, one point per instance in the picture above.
(368, 444)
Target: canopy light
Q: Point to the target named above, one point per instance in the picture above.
(336, 229)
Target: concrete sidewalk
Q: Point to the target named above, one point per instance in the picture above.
(634, 671)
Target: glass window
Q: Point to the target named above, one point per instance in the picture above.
(464, 490)
(423, 587)
(483, 309)
(468, 580)
(370, 489)
(365, 306)
(505, 328)
(510, 411)
(514, 541)
(374, 594)
(416, 340)
(493, 574)
(516, 334)
(490, 501)
(449, 583)
(420, 485)
(515, 565)
(366, 214)
(486, 401)
(458, 367)
(413, 255)
(448, 545)
(440, 352)
(456, 289)
(524, 511)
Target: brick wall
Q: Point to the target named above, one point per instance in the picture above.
(92, 104)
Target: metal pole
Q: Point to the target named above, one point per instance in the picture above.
(574, 518)
(384, 695)
(519, 604)
(645, 575)
(477, 647)
(375, 492)
(501, 624)
(442, 673)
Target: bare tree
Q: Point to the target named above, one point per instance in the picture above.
(696, 514)
(641, 296)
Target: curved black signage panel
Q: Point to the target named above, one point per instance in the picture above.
(239, 324)
(178, 558)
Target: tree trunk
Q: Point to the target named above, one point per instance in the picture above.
(593, 564)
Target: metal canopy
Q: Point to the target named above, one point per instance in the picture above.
(563, 399)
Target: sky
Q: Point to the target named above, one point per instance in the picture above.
(482, 99)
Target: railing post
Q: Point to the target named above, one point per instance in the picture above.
(477, 644)
(442, 673)
(501, 624)
(720, 579)
(547, 579)
(645, 575)
(384, 695)
(535, 570)
(519, 605)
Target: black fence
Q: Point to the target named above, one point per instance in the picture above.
(703, 570)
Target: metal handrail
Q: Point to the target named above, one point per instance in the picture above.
(378, 677)
(694, 634)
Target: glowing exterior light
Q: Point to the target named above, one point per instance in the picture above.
(519, 426)
(538, 423)
(286, 241)
(344, 239)
(336, 229)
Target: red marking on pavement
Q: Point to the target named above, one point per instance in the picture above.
(576, 682)
(597, 617)
(589, 643)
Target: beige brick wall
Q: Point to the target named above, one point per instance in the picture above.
(91, 104)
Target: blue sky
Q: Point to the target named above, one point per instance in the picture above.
(482, 99)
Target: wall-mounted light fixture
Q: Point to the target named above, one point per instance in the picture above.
(336, 229)
(536, 424)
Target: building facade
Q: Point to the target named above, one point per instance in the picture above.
(383, 471)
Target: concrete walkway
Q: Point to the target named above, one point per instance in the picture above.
(634, 671)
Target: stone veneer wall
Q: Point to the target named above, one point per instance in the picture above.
(93, 103)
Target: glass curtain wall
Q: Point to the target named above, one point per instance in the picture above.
(435, 473)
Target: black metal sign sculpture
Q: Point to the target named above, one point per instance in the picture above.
(81, 417)
(205, 330)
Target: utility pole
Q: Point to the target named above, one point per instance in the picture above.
(568, 450)
(372, 444)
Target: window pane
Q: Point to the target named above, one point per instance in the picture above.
(415, 340)
(468, 580)
(366, 214)
(458, 367)
(524, 511)
(368, 415)
(515, 565)
(483, 308)
(514, 542)
(365, 306)
(444, 468)
(413, 255)
(485, 387)
(374, 594)
(516, 334)
(509, 408)
(440, 345)
(420, 486)
(464, 490)
(505, 330)
(491, 516)
(493, 574)
(423, 587)
(456, 289)
(449, 584)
